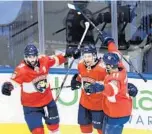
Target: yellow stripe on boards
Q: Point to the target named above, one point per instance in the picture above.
(65, 129)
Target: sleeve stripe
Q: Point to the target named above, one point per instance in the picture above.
(100, 82)
(56, 60)
(112, 99)
(14, 83)
(46, 111)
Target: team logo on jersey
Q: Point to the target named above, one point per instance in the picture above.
(86, 84)
(40, 83)
(85, 87)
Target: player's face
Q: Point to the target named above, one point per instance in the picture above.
(108, 69)
(32, 59)
(88, 59)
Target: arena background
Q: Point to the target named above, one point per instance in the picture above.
(32, 21)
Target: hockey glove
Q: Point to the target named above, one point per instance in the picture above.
(74, 83)
(132, 90)
(94, 88)
(73, 52)
(105, 39)
(7, 87)
(77, 54)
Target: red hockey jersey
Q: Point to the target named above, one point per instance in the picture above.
(35, 87)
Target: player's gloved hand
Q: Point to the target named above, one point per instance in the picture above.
(132, 90)
(74, 83)
(73, 52)
(7, 87)
(105, 39)
(94, 88)
(69, 52)
(77, 54)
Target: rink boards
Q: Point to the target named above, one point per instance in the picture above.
(11, 114)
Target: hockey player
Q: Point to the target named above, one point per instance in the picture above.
(92, 72)
(90, 112)
(117, 103)
(36, 96)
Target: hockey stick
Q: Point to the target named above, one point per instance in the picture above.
(56, 88)
(131, 65)
(71, 6)
(62, 29)
(87, 24)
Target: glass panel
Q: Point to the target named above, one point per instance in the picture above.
(8, 16)
(18, 29)
(64, 27)
(134, 26)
